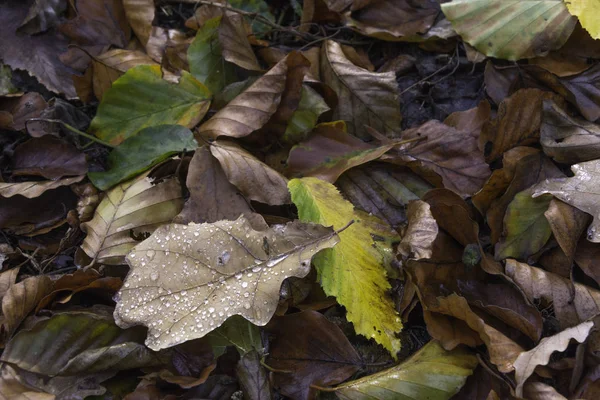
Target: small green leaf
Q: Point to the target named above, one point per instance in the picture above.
(305, 117)
(206, 60)
(238, 332)
(142, 151)
(432, 373)
(526, 228)
(141, 98)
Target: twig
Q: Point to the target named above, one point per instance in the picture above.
(72, 129)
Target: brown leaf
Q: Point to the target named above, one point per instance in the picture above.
(255, 106)
(382, 190)
(41, 58)
(48, 157)
(329, 152)
(517, 122)
(392, 20)
(365, 98)
(421, 232)
(34, 189)
(256, 180)
(568, 139)
(21, 299)
(571, 308)
(11, 387)
(472, 120)
(540, 355)
(161, 39)
(447, 157)
(7, 279)
(233, 36)
(587, 258)
(140, 14)
(567, 224)
(14, 112)
(314, 349)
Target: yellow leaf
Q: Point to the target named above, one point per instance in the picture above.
(352, 271)
(587, 11)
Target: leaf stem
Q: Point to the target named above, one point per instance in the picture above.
(74, 130)
(323, 389)
(274, 370)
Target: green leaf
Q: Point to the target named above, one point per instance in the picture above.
(142, 151)
(352, 271)
(259, 7)
(141, 98)
(526, 228)
(238, 332)
(76, 342)
(304, 119)
(432, 373)
(511, 29)
(206, 60)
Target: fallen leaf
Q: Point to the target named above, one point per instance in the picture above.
(233, 35)
(310, 108)
(138, 203)
(140, 14)
(447, 157)
(19, 300)
(313, 349)
(430, 373)
(517, 122)
(421, 232)
(392, 20)
(237, 332)
(63, 111)
(254, 378)
(580, 191)
(16, 111)
(141, 98)
(7, 279)
(540, 355)
(41, 58)
(48, 157)
(330, 151)
(178, 304)
(12, 389)
(370, 310)
(7, 88)
(212, 196)
(205, 56)
(141, 151)
(568, 139)
(365, 98)
(34, 189)
(583, 11)
(573, 302)
(382, 190)
(163, 45)
(255, 106)
(587, 257)
(48, 347)
(526, 229)
(519, 29)
(43, 15)
(255, 179)
(472, 120)
(567, 224)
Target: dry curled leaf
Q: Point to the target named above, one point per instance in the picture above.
(186, 280)
(422, 230)
(34, 188)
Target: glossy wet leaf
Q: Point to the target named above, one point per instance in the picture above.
(540, 355)
(49, 347)
(365, 98)
(136, 204)
(432, 373)
(353, 263)
(186, 280)
(145, 149)
(206, 58)
(142, 98)
(519, 29)
(580, 191)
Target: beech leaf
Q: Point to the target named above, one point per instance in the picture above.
(142, 98)
(432, 373)
(35, 189)
(137, 203)
(186, 280)
(352, 264)
(540, 355)
(365, 98)
(581, 191)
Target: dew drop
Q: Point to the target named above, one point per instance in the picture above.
(154, 275)
(150, 254)
(247, 306)
(244, 284)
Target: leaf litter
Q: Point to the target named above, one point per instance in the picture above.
(299, 199)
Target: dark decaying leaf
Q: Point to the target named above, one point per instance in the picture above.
(228, 274)
(41, 58)
(48, 157)
(212, 196)
(253, 377)
(314, 349)
(78, 341)
(329, 152)
(14, 112)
